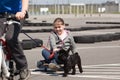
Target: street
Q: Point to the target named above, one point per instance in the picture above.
(100, 61)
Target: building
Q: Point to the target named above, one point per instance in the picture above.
(74, 8)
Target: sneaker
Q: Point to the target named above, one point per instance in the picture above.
(24, 74)
(53, 66)
(40, 63)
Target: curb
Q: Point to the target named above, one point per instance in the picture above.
(102, 22)
(86, 38)
(96, 38)
(28, 44)
(71, 29)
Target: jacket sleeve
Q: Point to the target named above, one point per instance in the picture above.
(52, 42)
(73, 44)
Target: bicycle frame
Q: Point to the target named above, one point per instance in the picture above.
(8, 59)
(7, 51)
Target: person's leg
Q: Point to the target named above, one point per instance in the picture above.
(52, 62)
(54, 65)
(2, 26)
(15, 47)
(46, 54)
(16, 50)
(57, 60)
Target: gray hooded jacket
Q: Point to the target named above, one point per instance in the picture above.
(66, 43)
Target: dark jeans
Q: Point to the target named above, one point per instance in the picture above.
(11, 37)
(46, 54)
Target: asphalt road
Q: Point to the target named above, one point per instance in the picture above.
(100, 61)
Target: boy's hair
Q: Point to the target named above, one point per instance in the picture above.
(59, 20)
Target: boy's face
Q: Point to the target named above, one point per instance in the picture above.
(59, 27)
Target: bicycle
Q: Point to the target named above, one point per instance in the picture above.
(9, 59)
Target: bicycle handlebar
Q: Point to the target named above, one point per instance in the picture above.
(12, 16)
(11, 20)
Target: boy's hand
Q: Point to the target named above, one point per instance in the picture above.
(20, 15)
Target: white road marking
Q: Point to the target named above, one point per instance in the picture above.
(100, 71)
(97, 76)
(100, 65)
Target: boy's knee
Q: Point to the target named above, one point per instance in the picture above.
(44, 51)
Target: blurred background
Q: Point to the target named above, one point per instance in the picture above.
(74, 7)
